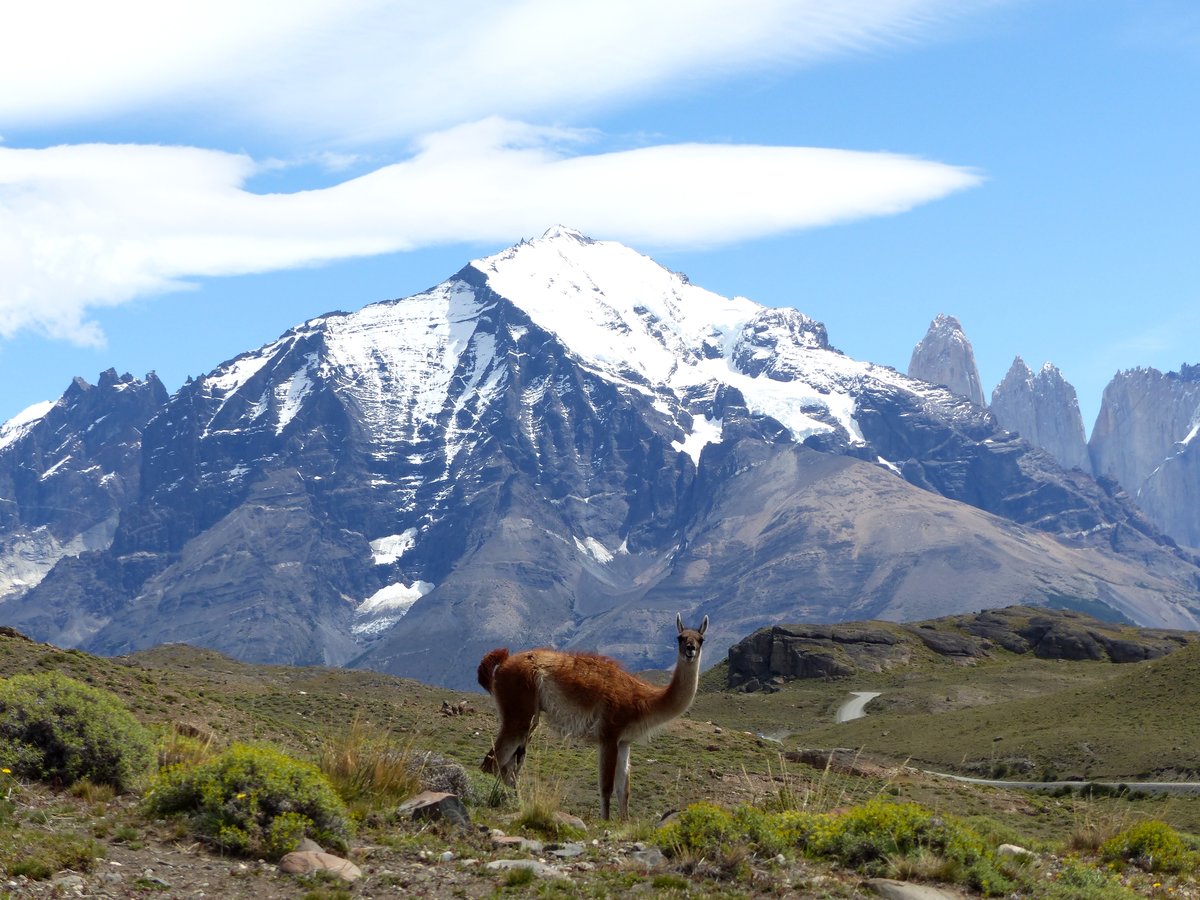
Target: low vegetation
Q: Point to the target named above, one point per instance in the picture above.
(56, 729)
(185, 752)
(253, 801)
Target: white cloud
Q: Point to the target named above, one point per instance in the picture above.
(92, 225)
(353, 71)
(329, 82)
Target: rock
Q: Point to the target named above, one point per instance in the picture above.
(565, 818)
(781, 652)
(68, 883)
(565, 851)
(947, 644)
(649, 858)
(905, 890)
(1060, 640)
(435, 805)
(842, 759)
(538, 868)
(504, 840)
(1012, 850)
(305, 862)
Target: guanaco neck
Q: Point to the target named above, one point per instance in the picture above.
(680, 693)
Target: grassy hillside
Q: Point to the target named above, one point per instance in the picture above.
(1006, 711)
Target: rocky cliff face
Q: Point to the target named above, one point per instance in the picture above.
(567, 444)
(1043, 409)
(1147, 437)
(67, 469)
(945, 356)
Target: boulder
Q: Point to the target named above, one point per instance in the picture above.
(435, 805)
(306, 862)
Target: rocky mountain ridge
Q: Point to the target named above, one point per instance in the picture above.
(1143, 440)
(567, 444)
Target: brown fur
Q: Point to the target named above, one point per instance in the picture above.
(588, 696)
(491, 661)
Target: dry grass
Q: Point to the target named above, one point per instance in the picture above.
(368, 766)
(186, 745)
(1093, 826)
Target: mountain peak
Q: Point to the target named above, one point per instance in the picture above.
(645, 328)
(1044, 410)
(562, 232)
(945, 356)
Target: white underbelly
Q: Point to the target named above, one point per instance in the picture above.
(568, 718)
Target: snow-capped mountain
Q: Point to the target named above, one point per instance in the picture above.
(566, 443)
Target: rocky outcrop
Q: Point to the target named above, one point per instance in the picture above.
(945, 356)
(794, 651)
(797, 651)
(1043, 409)
(1147, 438)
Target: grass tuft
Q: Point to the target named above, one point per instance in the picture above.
(369, 768)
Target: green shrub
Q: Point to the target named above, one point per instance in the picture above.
(1077, 881)
(876, 838)
(254, 800)
(56, 729)
(1151, 845)
(877, 830)
(701, 830)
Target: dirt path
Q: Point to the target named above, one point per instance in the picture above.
(855, 707)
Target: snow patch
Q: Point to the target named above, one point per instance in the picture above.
(237, 373)
(54, 468)
(386, 550)
(594, 549)
(18, 426)
(290, 395)
(640, 326)
(704, 431)
(888, 464)
(1191, 434)
(388, 605)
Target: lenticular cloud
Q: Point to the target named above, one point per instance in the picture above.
(93, 225)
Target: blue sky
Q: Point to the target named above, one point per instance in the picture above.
(177, 188)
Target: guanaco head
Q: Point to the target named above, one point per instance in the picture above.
(690, 639)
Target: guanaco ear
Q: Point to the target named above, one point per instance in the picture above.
(679, 622)
(704, 625)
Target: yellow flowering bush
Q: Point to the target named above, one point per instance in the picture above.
(1151, 845)
(254, 800)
